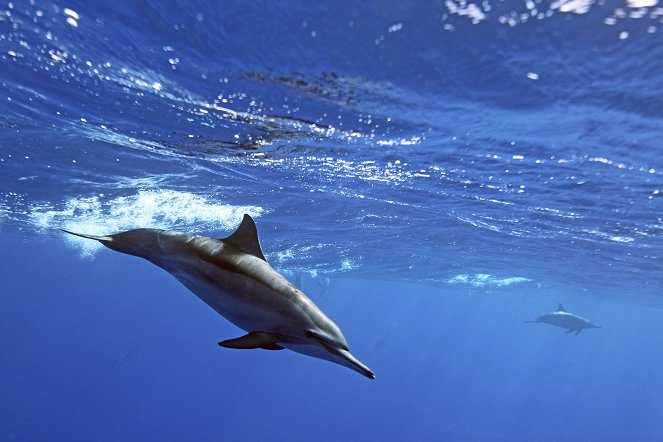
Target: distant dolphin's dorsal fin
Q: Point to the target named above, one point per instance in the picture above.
(245, 238)
(560, 308)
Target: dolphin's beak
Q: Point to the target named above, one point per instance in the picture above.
(354, 363)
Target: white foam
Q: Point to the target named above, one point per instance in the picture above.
(486, 280)
(165, 209)
(287, 259)
(71, 13)
(641, 3)
(395, 27)
(462, 8)
(572, 6)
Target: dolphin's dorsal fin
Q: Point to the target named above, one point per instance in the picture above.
(245, 238)
(560, 308)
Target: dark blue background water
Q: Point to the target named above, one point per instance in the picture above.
(432, 174)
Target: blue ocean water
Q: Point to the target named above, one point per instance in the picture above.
(431, 174)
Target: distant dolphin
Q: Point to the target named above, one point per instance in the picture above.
(232, 276)
(561, 318)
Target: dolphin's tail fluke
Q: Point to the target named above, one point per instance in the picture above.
(101, 239)
(530, 322)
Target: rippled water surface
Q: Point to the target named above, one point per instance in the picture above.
(423, 140)
(495, 148)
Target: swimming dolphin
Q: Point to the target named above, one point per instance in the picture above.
(561, 318)
(232, 276)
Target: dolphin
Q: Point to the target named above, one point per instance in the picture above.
(232, 276)
(561, 318)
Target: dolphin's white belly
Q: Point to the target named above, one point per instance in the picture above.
(564, 320)
(246, 302)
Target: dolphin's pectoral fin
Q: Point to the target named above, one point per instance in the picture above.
(578, 331)
(245, 238)
(570, 330)
(253, 340)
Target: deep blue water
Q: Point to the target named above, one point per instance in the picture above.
(431, 174)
